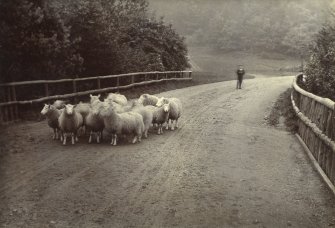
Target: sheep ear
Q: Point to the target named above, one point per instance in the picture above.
(90, 95)
(99, 96)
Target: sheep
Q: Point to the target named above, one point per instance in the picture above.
(160, 115)
(94, 98)
(118, 108)
(84, 110)
(52, 114)
(122, 123)
(94, 122)
(59, 104)
(147, 115)
(69, 122)
(175, 110)
(117, 98)
(147, 99)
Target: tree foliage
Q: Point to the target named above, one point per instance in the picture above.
(49, 39)
(35, 43)
(320, 69)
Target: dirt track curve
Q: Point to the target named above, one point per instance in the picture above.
(224, 167)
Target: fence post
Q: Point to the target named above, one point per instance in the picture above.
(132, 79)
(5, 107)
(46, 89)
(74, 85)
(98, 83)
(190, 74)
(11, 113)
(16, 113)
(117, 81)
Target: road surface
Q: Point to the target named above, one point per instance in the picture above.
(224, 167)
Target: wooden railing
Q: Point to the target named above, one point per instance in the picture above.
(316, 126)
(10, 102)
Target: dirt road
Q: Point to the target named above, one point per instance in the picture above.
(224, 167)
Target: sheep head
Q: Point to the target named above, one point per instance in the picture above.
(96, 106)
(161, 101)
(69, 109)
(142, 98)
(166, 107)
(45, 109)
(94, 98)
(104, 108)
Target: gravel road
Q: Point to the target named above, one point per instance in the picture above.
(224, 167)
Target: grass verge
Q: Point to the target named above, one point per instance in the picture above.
(283, 113)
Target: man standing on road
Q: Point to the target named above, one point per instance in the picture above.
(240, 73)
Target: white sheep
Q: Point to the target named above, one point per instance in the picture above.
(127, 123)
(52, 114)
(69, 122)
(94, 98)
(147, 99)
(94, 122)
(117, 98)
(84, 109)
(175, 110)
(160, 115)
(147, 115)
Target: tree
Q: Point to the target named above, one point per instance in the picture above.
(320, 69)
(35, 43)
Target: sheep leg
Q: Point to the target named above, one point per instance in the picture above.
(54, 137)
(159, 129)
(72, 138)
(172, 125)
(177, 125)
(167, 125)
(98, 137)
(57, 134)
(115, 139)
(90, 138)
(61, 136)
(112, 141)
(76, 137)
(65, 136)
(135, 139)
(146, 133)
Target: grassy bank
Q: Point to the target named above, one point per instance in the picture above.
(282, 113)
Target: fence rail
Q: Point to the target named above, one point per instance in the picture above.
(316, 126)
(9, 110)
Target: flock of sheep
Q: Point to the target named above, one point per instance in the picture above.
(116, 115)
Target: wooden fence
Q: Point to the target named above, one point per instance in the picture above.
(316, 126)
(10, 101)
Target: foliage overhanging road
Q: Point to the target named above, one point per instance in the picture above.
(224, 167)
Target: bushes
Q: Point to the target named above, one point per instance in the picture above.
(320, 69)
(35, 43)
(51, 39)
